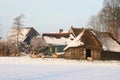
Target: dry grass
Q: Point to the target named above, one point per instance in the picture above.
(89, 58)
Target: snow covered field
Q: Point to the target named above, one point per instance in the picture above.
(25, 68)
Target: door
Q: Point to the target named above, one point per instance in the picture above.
(88, 53)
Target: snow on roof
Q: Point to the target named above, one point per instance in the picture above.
(76, 42)
(108, 43)
(58, 38)
(76, 31)
(57, 35)
(55, 41)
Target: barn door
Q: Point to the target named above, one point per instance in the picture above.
(88, 53)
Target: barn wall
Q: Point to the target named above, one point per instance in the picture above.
(105, 55)
(75, 53)
(80, 53)
(95, 54)
(67, 54)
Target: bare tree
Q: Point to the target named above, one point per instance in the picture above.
(108, 19)
(17, 26)
(111, 12)
(94, 23)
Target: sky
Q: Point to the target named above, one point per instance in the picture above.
(48, 15)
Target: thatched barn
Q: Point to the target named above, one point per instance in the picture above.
(89, 43)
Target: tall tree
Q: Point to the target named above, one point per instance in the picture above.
(108, 19)
(17, 26)
(95, 22)
(111, 12)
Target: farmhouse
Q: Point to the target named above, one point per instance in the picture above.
(89, 43)
(24, 34)
(57, 40)
(19, 39)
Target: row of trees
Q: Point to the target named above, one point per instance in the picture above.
(108, 19)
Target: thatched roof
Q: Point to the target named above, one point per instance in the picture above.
(62, 38)
(96, 40)
(76, 42)
(75, 31)
(57, 35)
(87, 40)
(108, 42)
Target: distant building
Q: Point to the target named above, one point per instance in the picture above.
(19, 39)
(57, 40)
(25, 34)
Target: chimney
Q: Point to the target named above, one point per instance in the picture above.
(60, 30)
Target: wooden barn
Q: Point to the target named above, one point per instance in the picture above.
(89, 43)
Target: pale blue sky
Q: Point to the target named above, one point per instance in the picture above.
(48, 15)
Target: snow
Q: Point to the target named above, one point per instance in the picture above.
(114, 46)
(26, 68)
(104, 48)
(57, 41)
(108, 44)
(76, 42)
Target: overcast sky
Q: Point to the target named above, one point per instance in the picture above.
(48, 15)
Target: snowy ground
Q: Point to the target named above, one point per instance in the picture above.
(25, 68)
